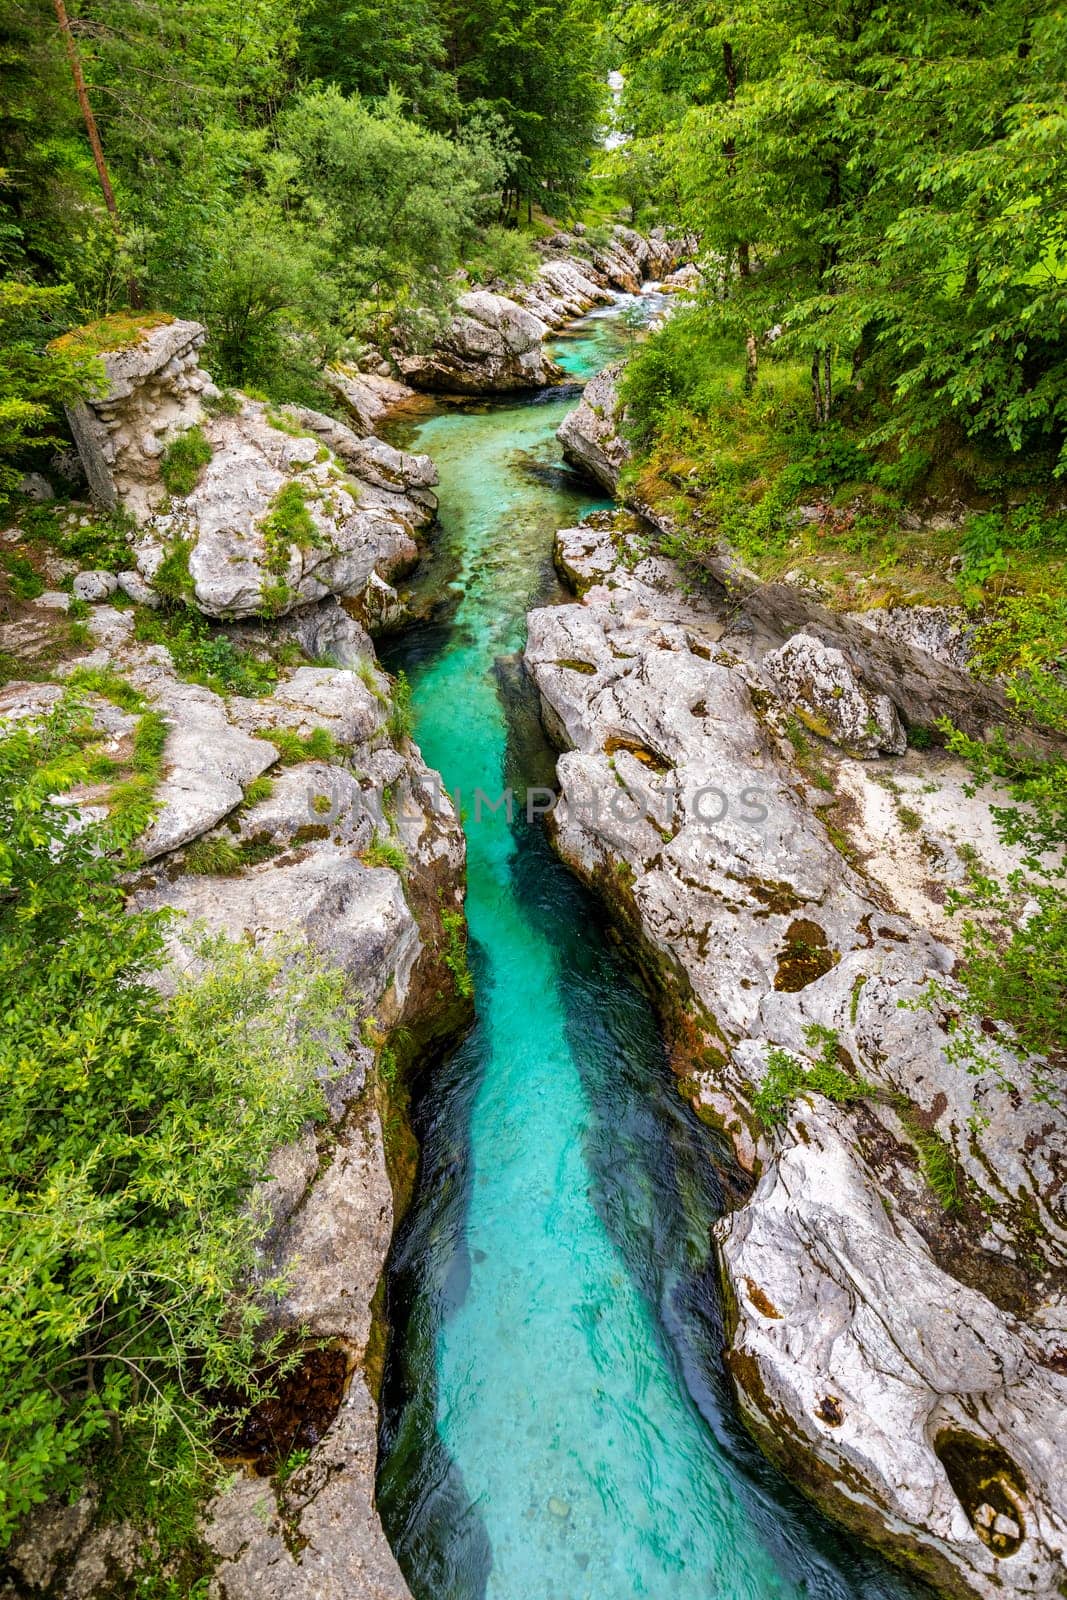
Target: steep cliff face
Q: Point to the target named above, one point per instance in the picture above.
(899, 1359)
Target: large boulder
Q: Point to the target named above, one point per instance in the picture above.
(277, 507)
(369, 396)
(590, 433)
(822, 689)
(491, 346)
(898, 1359)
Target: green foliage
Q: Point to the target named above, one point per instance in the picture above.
(35, 381)
(318, 745)
(173, 579)
(327, 170)
(258, 790)
(131, 1129)
(183, 461)
(288, 523)
(111, 685)
(212, 856)
(885, 183)
(786, 1077)
(23, 580)
(385, 853)
(102, 543)
(504, 256)
(455, 952)
(205, 654)
(401, 721)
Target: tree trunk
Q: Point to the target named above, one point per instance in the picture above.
(133, 289)
(751, 361)
(816, 384)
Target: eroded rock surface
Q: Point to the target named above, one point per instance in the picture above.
(301, 859)
(282, 505)
(899, 1359)
(492, 346)
(590, 433)
(825, 693)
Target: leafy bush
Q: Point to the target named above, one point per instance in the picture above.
(503, 255)
(183, 461)
(35, 381)
(455, 953)
(205, 655)
(786, 1078)
(288, 522)
(22, 579)
(131, 1128)
(103, 542)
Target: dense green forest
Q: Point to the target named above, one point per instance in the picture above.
(293, 174)
(877, 198)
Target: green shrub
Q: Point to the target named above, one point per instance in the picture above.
(455, 952)
(786, 1078)
(104, 542)
(401, 719)
(205, 654)
(131, 1127)
(36, 380)
(503, 255)
(184, 460)
(22, 579)
(288, 523)
(110, 685)
(172, 579)
(227, 403)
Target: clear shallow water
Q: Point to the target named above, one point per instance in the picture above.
(556, 1424)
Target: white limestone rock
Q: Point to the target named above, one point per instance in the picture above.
(135, 588)
(94, 586)
(354, 504)
(368, 395)
(492, 346)
(818, 682)
(590, 434)
(876, 1340)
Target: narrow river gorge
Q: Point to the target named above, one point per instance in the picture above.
(556, 1420)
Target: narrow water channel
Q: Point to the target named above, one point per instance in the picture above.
(556, 1425)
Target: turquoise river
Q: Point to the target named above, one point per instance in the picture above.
(556, 1420)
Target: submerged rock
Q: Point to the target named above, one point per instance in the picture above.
(899, 1360)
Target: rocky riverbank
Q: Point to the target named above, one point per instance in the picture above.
(495, 343)
(295, 807)
(896, 1280)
